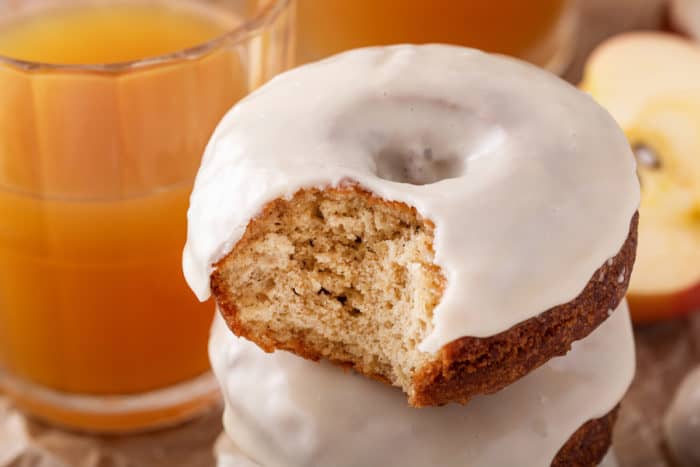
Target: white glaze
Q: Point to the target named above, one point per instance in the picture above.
(229, 455)
(682, 421)
(282, 410)
(544, 181)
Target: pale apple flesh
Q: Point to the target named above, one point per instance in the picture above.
(626, 71)
(677, 289)
(650, 82)
(666, 279)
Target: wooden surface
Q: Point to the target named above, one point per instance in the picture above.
(665, 353)
(600, 19)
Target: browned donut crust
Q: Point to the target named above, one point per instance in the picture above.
(460, 370)
(588, 446)
(472, 365)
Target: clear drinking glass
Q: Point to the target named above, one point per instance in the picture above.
(101, 132)
(540, 31)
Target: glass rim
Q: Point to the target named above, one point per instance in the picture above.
(247, 29)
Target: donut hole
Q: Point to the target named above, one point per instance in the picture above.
(414, 139)
(419, 166)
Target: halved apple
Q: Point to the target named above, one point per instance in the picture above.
(650, 82)
(666, 139)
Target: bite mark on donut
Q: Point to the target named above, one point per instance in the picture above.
(341, 274)
(337, 274)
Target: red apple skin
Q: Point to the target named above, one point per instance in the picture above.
(650, 308)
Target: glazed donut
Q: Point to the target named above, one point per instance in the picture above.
(285, 411)
(229, 455)
(434, 217)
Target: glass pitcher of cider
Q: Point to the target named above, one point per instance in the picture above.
(105, 109)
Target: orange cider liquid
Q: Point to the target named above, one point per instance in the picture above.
(513, 27)
(95, 174)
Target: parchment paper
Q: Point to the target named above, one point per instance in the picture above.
(28, 443)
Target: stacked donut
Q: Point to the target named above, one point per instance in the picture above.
(443, 222)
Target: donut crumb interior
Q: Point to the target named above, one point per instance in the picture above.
(336, 274)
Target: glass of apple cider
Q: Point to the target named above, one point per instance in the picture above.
(105, 109)
(540, 31)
